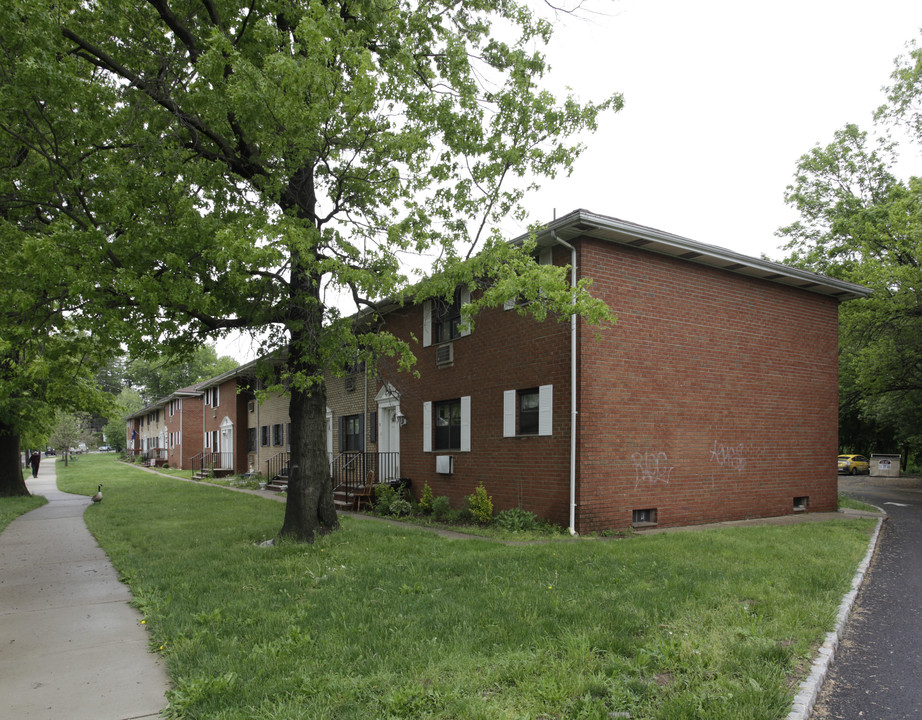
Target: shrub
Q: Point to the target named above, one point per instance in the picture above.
(399, 507)
(480, 505)
(516, 520)
(384, 496)
(441, 508)
(425, 500)
(461, 516)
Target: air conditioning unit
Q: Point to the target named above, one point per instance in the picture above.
(445, 355)
(349, 382)
(443, 464)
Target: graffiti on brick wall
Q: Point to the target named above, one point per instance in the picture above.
(731, 456)
(651, 467)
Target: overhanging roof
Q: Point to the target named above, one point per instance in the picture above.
(582, 223)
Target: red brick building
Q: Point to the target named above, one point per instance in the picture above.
(713, 398)
(182, 413)
(225, 421)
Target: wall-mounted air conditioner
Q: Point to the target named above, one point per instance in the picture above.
(443, 464)
(445, 355)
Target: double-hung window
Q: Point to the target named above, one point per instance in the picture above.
(444, 320)
(447, 421)
(447, 425)
(351, 429)
(277, 435)
(528, 411)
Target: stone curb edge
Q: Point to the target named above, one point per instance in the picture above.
(810, 688)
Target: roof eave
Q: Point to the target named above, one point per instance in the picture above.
(584, 223)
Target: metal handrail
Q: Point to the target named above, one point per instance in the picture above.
(349, 470)
(277, 466)
(211, 461)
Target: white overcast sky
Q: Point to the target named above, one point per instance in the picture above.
(721, 99)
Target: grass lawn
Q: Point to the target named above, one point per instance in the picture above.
(847, 502)
(383, 621)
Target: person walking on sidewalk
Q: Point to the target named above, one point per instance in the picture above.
(34, 460)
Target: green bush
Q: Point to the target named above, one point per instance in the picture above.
(425, 500)
(441, 508)
(516, 520)
(384, 496)
(481, 505)
(400, 507)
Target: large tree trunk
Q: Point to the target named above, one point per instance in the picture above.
(309, 509)
(12, 482)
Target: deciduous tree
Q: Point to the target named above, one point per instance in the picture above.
(860, 222)
(226, 165)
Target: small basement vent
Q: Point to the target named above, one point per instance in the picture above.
(445, 355)
(643, 517)
(801, 503)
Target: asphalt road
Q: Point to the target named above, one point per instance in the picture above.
(877, 673)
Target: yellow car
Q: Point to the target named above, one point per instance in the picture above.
(853, 464)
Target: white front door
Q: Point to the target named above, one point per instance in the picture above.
(388, 443)
(227, 443)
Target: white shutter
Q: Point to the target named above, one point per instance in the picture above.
(509, 413)
(465, 327)
(466, 423)
(427, 427)
(545, 409)
(427, 323)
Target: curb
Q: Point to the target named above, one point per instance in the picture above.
(810, 688)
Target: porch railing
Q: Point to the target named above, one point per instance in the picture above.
(349, 469)
(277, 466)
(156, 455)
(209, 461)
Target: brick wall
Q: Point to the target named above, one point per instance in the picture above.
(503, 352)
(191, 427)
(273, 410)
(346, 396)
(714, 397)
(232, 405)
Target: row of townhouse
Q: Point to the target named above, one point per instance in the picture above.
(713, 398)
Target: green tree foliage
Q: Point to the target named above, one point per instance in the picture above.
(158, 377)
(197, 168)
(129, 401)
(68, 432)
(860, 222)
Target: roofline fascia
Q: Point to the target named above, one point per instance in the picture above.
(573, 220)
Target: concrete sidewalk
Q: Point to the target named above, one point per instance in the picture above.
(70, 645)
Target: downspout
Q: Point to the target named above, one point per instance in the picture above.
(573, 410)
